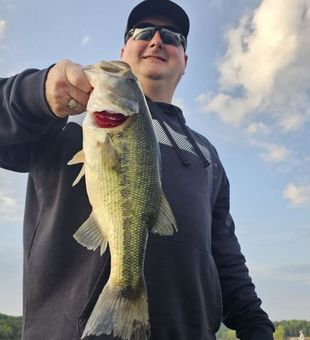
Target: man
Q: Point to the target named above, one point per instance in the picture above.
(196, 278)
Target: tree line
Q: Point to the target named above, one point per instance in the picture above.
(291, 328)
(10, 329)
(284, 330)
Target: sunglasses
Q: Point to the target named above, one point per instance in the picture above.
(146, 31)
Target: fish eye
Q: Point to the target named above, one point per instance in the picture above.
(131, 80)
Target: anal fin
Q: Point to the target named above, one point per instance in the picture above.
(90, 236)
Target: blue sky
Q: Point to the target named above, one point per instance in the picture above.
(246, 88)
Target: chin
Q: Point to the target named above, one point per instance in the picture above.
(154, 75)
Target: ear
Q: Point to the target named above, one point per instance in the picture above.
(185, 62)
(185, 59)
(122, 52)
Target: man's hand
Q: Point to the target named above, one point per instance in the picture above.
(67, 89)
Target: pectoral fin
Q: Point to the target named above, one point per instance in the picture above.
(79, 176)
(78, 158)
(165, 224)
(90, 236)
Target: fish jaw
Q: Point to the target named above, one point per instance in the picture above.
(115, 88)
(108, 119)
(96, 135)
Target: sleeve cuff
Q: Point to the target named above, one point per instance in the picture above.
(259, 333)
(32, 92)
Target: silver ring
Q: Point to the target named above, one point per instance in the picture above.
(72, 103)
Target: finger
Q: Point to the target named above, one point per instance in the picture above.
(67, 106)
(78, 95)
(77, 78)
(59, 89)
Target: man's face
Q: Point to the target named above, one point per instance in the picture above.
(153, 59)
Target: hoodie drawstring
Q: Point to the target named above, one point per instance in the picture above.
(183, 160)
(191, 140)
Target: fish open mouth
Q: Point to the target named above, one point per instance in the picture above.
(108, 119)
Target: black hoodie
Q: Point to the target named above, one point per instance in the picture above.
(195, 279)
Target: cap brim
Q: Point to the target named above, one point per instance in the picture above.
(166, 8)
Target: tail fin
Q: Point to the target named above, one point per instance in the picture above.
(121, 312)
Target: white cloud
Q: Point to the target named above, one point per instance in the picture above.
(8, 202)
(273, 152)
(258, 128)
(10, 208)
(266, 67)
(291, 123)
(2, 28)
(298, 195)
(11, 197)
(230, 109)
(85, 40)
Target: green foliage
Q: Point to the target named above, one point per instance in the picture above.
(292, 327)
(279, 334)
(226, 334)
(10, 327)
(284, 330)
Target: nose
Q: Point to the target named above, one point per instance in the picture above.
(156, 40)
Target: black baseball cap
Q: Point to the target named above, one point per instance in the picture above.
(166, 8)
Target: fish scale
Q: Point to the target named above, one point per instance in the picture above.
(122, 176)
(135, 179)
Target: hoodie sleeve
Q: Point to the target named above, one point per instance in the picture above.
(241, 305)
(25, 118)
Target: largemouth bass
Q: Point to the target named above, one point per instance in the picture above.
(122, 173)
